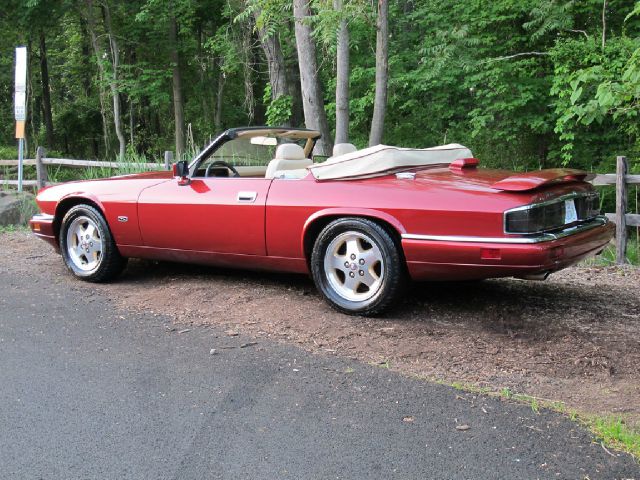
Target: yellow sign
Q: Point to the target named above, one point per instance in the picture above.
(20, 128)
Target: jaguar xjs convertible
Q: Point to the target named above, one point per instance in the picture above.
(362, 223)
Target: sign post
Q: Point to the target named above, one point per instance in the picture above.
(20, 106)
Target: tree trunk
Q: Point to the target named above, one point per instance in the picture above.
(278, 79)
(204, 80)
(33, 120)
(97, 51)
(131, 124)
(115, 94)
(178, 102)
(342, 79)
(247, 68)
(312, 99)
(46, 92)
(604, 23)
(217, 118)
(382, 74)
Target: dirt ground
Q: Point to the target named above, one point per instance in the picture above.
(574, 338)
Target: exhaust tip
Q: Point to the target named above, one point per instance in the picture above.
(536, 276)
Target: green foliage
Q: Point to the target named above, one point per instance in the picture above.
(525, 84)
(278, 109)
(597, 87)
(617, 432)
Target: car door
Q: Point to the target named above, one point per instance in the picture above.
(214, 214)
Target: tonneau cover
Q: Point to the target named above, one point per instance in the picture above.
(384, 158)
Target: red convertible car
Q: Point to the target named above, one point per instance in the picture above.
(361, 223)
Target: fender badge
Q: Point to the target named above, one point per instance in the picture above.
(122, 218)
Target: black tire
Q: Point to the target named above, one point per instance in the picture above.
(390, 269)
(95, 266)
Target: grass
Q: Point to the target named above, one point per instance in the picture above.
(612, 431)
(615, 431)
(382, 364)
(133, 163)
(608, 256)
(13, 228)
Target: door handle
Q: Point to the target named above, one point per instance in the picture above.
(247, 197)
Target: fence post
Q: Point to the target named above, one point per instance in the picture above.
(41, 169)
(621, 210)
(168, 159)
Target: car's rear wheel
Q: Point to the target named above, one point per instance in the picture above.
(357, 266)
(87, 246)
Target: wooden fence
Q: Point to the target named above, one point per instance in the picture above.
(621, 179)
(41, 162)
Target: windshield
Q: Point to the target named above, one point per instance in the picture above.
(255, 151)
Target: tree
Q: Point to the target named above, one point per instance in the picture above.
(342, 78)
(99, 55)
(178, 102)
(46, 92)
(279, 109)
(382, 73)
(115, 93)
(312, 97)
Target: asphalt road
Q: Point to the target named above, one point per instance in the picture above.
(88, 391)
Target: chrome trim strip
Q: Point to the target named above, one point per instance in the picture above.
(545, 237)
(562, 198)
(42, 217)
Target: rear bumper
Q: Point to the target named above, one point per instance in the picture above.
(42, 227)
(461, 258)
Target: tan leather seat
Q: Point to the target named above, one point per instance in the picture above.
(289, 156)
(343, 149)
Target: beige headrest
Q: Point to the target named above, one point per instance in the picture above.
(343, 149)
(289, 151)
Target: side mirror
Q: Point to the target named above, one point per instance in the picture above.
(181, 170)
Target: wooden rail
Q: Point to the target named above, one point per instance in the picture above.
(41, 161)
(621, 179)
(68, 162)
(621, 217)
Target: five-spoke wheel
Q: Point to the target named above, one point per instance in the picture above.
(84, 244)
(87, 245)
(354, 266)
(357, 266)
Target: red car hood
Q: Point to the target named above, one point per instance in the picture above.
(124, 188)
(144, 175)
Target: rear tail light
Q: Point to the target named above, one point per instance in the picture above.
(552, 215)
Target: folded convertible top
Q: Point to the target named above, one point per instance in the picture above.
(383, 158)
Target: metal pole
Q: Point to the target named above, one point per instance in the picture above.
(20, 158)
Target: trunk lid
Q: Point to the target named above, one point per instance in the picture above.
(522, 182)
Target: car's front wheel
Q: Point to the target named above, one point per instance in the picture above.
(87, 246)
(357, 266)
